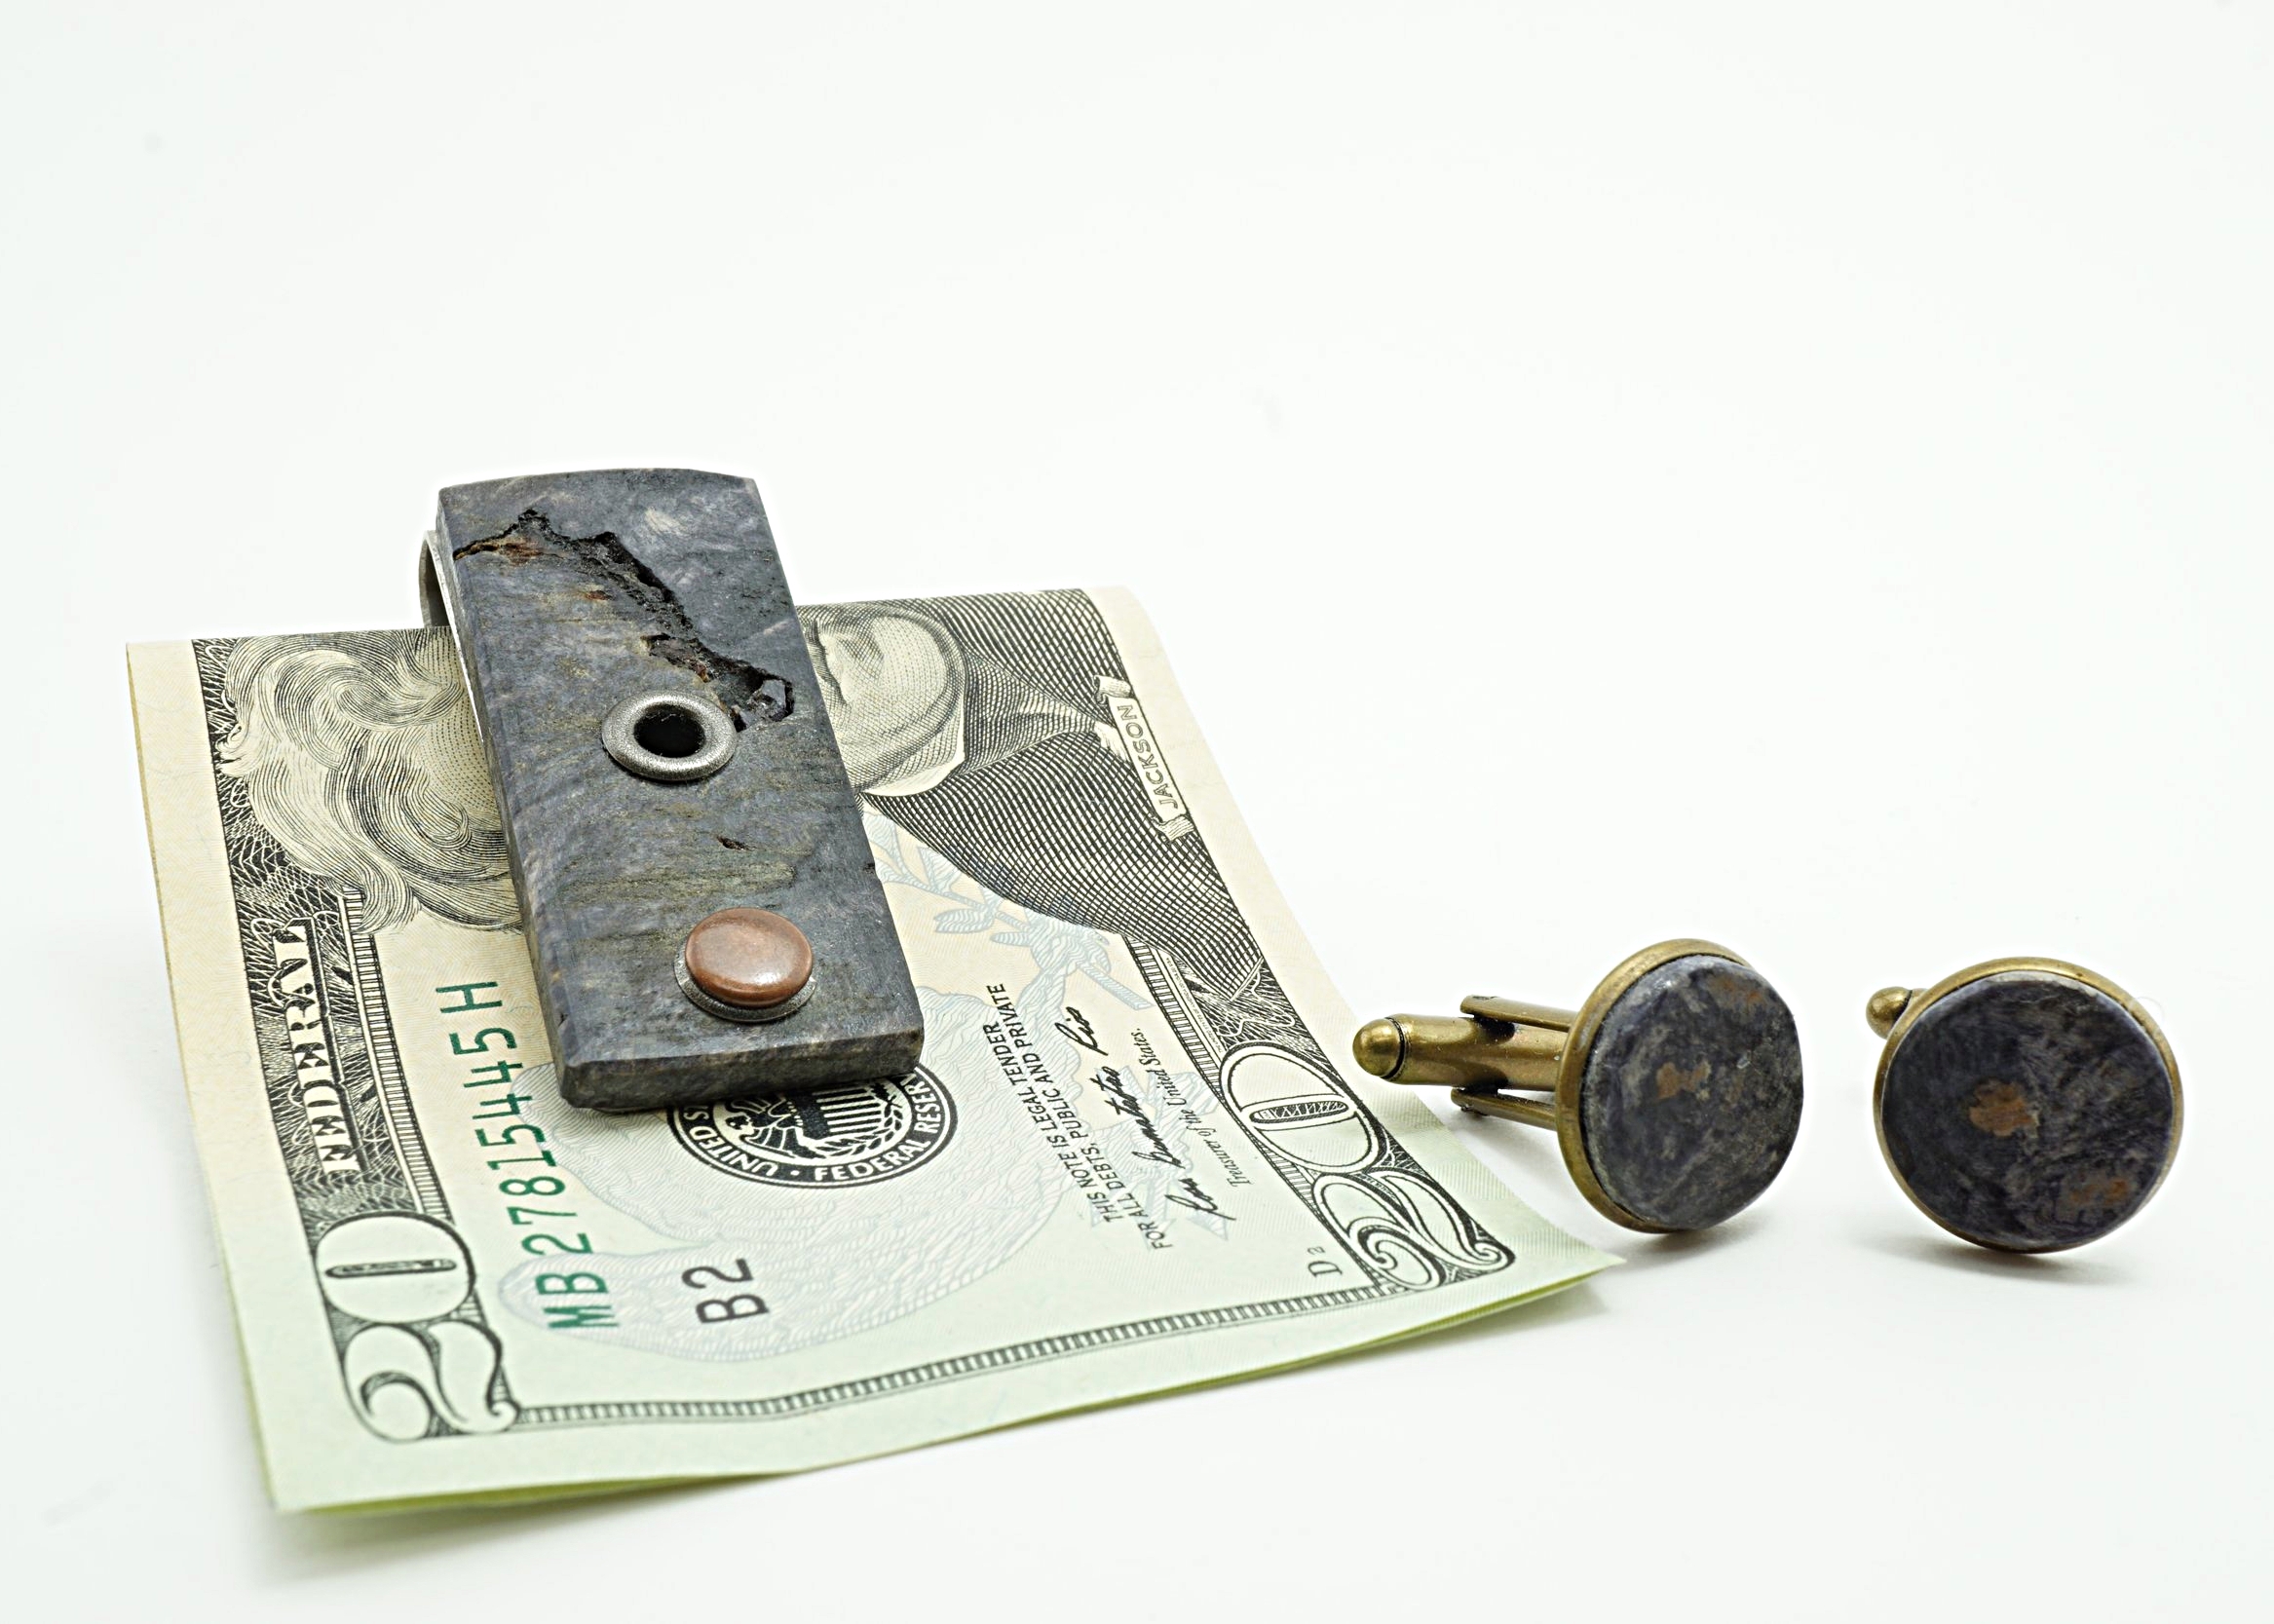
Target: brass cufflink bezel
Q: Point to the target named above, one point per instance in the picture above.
(1894, 1011)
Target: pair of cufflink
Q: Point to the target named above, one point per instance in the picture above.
(2025, 1103)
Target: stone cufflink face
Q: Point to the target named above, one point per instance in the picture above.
(1689, 1094)
(2025, 1104)
(1677, 1085)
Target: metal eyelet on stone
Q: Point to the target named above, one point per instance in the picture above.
(672, 738)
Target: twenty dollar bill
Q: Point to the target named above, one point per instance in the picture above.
(1132, 1158)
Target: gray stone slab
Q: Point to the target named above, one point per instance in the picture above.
(2028, 1111)
(571, 593)
(1690, 1098)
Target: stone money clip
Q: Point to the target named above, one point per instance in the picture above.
(701, 904)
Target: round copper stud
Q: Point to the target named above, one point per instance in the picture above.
(746, 965)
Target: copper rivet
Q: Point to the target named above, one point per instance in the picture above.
(748, 957)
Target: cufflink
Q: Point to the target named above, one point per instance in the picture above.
(1676, 1087)
(2026, 1104)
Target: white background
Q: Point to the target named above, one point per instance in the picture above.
(1793, 475)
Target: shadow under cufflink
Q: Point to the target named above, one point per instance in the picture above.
(1676, 1087)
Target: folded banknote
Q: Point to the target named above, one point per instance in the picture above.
(1134, 1156)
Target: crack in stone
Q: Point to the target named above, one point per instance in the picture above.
(748, 693)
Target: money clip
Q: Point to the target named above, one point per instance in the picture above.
(701, 904)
